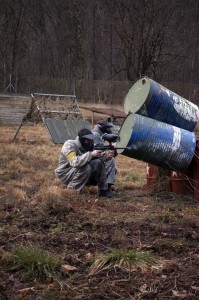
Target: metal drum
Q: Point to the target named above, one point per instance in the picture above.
(152, 176)
(157, 143)
(150, 99)
(183, 183)
(158, 179)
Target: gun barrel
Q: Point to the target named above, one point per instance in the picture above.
(108, 148)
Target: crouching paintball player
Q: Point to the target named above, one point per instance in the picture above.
(80, 165)
(99, 130)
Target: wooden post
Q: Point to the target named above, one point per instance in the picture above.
(17, 131)
(92, 123)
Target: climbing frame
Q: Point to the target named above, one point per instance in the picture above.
(60, 114)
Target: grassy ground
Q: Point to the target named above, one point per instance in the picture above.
(55, 245)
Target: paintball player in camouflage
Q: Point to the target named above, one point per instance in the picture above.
(80, 165)
(100, 129)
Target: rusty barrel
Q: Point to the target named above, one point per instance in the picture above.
(158, 179)
(156, 143)
(150, 99)
(152, 175)
(183, 183)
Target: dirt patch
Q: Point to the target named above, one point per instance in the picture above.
(35, 209)
(80, 228)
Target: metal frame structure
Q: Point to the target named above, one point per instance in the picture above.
(61, 111)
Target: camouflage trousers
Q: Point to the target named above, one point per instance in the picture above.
(110, 170)
(93, 173)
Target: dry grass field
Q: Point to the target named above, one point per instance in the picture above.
(56, 245)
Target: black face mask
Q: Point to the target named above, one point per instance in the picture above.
(85, 145)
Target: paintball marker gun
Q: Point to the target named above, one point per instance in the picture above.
(111, 138)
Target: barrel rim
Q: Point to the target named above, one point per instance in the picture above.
(133, 100)
(125, 132)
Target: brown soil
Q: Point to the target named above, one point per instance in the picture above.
(36, 209)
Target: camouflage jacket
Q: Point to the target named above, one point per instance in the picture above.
(72, 155)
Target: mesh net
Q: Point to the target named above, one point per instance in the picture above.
(62, 107)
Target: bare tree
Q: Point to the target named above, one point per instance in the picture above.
(144, 29)
(66, 34)
(16, 32)
(104, 39)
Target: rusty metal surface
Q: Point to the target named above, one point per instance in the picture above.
(62, 130)
(106, 111)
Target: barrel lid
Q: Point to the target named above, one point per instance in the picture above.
(137, 95)
(125, 132)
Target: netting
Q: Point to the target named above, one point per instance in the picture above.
(48, 108)
(62, 107)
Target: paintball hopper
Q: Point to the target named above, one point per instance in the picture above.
(111, 138)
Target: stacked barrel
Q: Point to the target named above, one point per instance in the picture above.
(159, 129)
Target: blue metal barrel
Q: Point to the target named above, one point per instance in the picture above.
(156, 143)
(150, 99)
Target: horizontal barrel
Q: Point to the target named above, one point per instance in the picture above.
(150, 99)
(156, 143)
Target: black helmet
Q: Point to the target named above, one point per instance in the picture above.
(105, 126)
(86, 138)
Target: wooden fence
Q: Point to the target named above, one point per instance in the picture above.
(13, 108)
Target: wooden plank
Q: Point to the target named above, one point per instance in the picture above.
(13, 109)
(60, 112)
